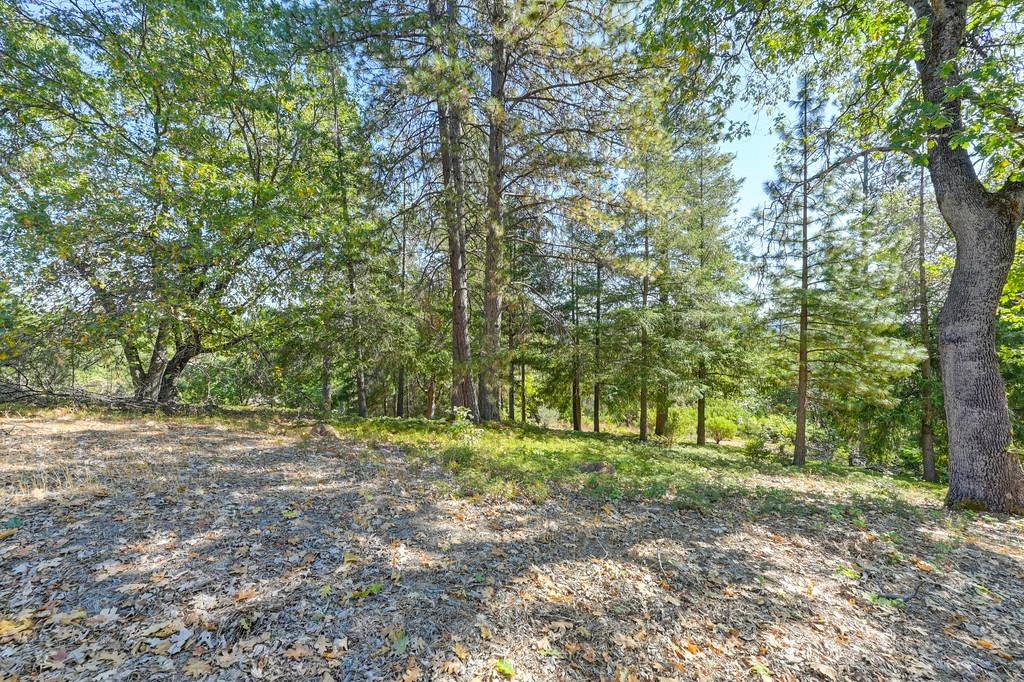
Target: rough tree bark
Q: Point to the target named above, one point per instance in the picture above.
(184, 352)
(494, 280)
(800, 445)
(927, 405)
(983, 471)
(430, 399)
(577, 397)
(702, 374)
(597, 352)
(400, 399)
(661, 401)
(449, 115)
(645, 286)
(326, 394)
(146, 379)
(361, 408)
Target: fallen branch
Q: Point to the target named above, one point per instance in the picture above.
(26, 395)
(905, 598)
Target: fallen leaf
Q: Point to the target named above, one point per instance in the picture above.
(504, 668)
(13, 627)
(298, 651)
(197, 667)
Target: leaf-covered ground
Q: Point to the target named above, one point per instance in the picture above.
(163, 549)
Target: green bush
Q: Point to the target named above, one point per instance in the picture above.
(770, 438)
(721, 428)
(677, 424)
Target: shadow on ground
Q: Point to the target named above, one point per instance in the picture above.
(186, 550)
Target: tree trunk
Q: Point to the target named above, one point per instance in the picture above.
(927, 405)
(360, 372)
(597, 354)
(701, 422)
(450, 132)
(360, 386)
(702, 375)
(983, 471)
(577, 398)
(400, 393)
(645, 286)
(146, 380)
(326, 394)
(522, 392)
(400, 399)
(661, 411)
(800, 444)
(511, 377)
(577, 403)
(494, 284)
(175, 366)
(431, 398)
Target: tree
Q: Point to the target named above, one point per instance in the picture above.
(832, 279)
(160, 185)
(918, 72)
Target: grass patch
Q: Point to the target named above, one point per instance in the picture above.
(503, 461)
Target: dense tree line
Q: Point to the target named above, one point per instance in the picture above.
(513, 210)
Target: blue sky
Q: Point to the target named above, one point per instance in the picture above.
(755, 155)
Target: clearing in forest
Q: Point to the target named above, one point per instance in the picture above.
(151, 548)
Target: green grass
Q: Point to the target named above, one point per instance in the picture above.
(502, 460)
(524, 461)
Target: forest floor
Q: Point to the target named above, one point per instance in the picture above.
(157, 548)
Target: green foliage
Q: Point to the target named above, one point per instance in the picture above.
(676, 425)
(503, 461)
(770, 438)
(721, 428)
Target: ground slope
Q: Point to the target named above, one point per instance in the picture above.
(153, 549)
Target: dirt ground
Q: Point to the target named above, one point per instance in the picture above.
(153, 550)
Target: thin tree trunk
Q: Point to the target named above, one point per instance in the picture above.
(494, 284)
(661, 410)
(661, 402)
(701, 403)
(927, 405)
(597, 354)
(450, 131)
(400, 399)
(360, 371)
(511, 377)
(577, 398)
(431, 397)
(800, 449)
(522, 392)
(361, 409)
(644, 290)
(400, 393)
(577, 403)
(702, 369)
(326, 395)
(512, 339)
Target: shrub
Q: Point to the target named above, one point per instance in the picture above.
(676, 425)
(721, 428)
(548, 417)
(770, 438)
